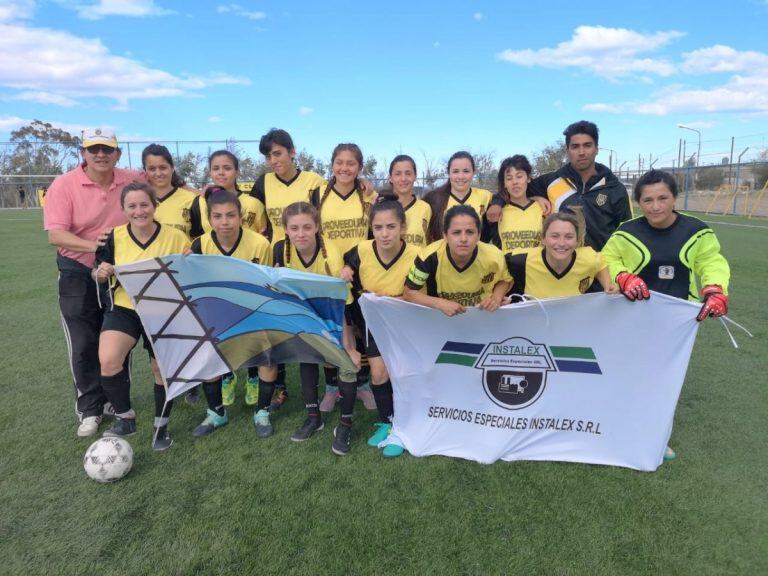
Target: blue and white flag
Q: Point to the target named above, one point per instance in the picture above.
(592, 379)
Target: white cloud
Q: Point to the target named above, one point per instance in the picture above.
(214, 119)
(44, 98)
(607, 52)
(701, 124)
(477, 16)
(240, 11)
(305, 110)
(721, 58)
(11, 10)
(132, 8)
(10, 123)
(66, 67)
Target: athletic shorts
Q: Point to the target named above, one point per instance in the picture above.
(126, 321)
(371, 350)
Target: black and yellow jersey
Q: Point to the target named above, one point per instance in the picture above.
(434, 268)
(175, 209)
(249, 246)
(122, 247)
(373, 275)
(478, 198)
(668, 259)
(519, 228)
(276, 194)
(417, 216)
(343, 219)
(326, 261)
(532, 274)
(251, 210)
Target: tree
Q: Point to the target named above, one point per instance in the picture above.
(369, 167)
(193, 168)
(549, 158)
(760, 169)
(40, 148)
(305, 161)
(709, 178)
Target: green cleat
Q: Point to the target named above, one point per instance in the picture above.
(251, 391)
(392, 451)
(263, 425)
(382, 431)
(210, 424)
(228, 382)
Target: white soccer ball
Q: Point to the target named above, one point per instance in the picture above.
(108, 459)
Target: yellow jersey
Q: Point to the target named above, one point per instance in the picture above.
(175, 209)
(373, 275)
(344, 219)
(249, 246)
(417, 216)
(520, 227)
(532, 274)
(251, 210)
(478, 198)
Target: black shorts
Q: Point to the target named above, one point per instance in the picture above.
(126, 321)
(371, 350)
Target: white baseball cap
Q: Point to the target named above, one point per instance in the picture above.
(103, 136)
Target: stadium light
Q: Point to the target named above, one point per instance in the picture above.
(698, 151)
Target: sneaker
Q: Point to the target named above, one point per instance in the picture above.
(122, 427)
(328, 403)
(342, 440)
(310, 426)
(108, 411)
(161, 440)
(365, 395)
(382, 431)
(251, 391)
(89, 426)
(210, 424)
(280, 397)
(392, 451)
(263, 425)
(192, 395)
(228, 382)
(669, 454)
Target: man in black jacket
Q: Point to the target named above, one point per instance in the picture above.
(583, 183)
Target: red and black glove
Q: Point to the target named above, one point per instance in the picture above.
(633, 287)
(715, 302)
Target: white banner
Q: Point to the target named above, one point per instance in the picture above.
(591, 379)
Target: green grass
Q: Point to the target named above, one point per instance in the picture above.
(231, 504)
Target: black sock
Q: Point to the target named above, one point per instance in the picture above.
(266, 390)
(212, 392)
(160, 404)
(310, 376)
(382, 393)
(347, 397)
(280, 382)
(117, 389)
(253, 371)
(331, 376)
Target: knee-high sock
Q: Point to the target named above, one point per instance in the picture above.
(266, 389)
(212, 392)
(161, 415)
(347, 397)
(310, 376)
(117, 389)
(382, 393)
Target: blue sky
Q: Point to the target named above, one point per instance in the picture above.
(424, 78)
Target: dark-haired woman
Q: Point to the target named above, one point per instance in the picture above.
(143, 237)
(664, 250)
(458, 191)
(519, 227)
(380, 266)
(402, 177)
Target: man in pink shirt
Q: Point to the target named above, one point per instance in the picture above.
(79, 206)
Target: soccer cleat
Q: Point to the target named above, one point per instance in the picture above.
(263, 425)
(392, 451)
(161, 440)
(228, 382)
(311, 425)
(192, 395)
(365, 395)
(328, 403)
(89, 426)
(382, 431)
(342, 440)
(121, 428)
(669, 454)
(278, 399)
(210, 424)
(251, 391)
(108, 411)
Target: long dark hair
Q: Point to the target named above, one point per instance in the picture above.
(358, 154)
(160, 150)
(438, 199)
(229, 155)
(519, 162)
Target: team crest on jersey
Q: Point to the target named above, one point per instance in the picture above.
(601, 199)
(584, 284)
(250, 219)
(488, 278)
(666, 272)
(185, 214)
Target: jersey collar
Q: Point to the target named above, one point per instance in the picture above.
(171, 193)
(314, 256)
(288, 182)
(466, 198)
(467, 265)
(234, 246)
(391, 262)
(148, 243)
(552, 271)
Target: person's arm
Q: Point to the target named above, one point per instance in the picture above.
(493, 301)
(69, 241)
(604, 277)
(105, 259)
(348, 338)
(537, 190)
(195, 219)
(447, 307)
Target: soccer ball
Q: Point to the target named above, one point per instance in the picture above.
(108, 459)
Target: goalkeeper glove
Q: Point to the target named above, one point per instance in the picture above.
(632, 286)
(715, 302)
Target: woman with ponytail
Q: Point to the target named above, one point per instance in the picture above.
(402, 177)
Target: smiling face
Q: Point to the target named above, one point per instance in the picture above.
(225, 219)
(280, 160)
(138, 208)
(223, 172)
(582, 152)
(402, 177)
(387, 229)
(345, 168)
(302, 230)
(159, 172)
(462, 236)
(560, 241)
(460, 174)
(100, 159)
(658, 205)
(516, 183)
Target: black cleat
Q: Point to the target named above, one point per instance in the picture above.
(342, 441)
(310, 426)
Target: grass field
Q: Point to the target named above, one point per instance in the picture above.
(231, 504)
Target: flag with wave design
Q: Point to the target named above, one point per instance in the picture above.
(209, 315)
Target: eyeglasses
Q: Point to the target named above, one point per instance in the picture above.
(96, 148)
